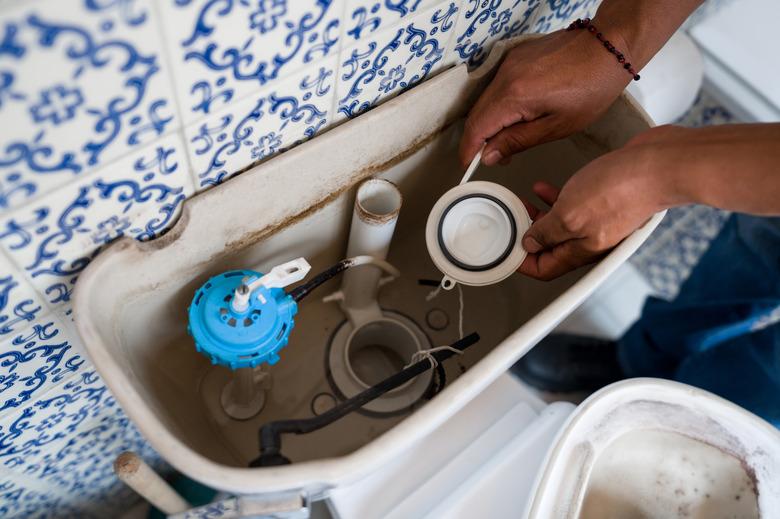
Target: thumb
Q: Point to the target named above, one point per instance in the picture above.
(546, 232)
(516, 138)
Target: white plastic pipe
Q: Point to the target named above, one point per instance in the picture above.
(244, 396)
(377, 205)
(139, 476)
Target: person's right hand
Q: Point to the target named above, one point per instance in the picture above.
(545, 89)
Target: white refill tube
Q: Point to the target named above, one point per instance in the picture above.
(377, 205)
(139, 476)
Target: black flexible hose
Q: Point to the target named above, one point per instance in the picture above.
(271, 433)
(302, 291)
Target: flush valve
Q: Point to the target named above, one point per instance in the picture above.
(242, 318)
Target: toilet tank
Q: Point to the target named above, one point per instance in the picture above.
(131, 302)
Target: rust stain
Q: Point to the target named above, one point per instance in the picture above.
(126, 464)
(378, 219)
(369, 171)
(173, 233)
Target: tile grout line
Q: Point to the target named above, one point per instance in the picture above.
(450, 43)
(337, 70)
(166, 56)
(51, 386)
(11, 211)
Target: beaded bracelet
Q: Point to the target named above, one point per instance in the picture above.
(585, 24)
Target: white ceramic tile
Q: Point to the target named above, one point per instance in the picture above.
(393, 60)
(68, 439)
(22, 497)
(19, 304)
(279, 116)
(140, 195)
(35, 359)
(81, 83)
(38, 428)
(484, 22)
(557, 14)
(224, 51)
(365, 17)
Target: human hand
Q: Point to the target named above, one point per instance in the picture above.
(602, 203)
(545, 89)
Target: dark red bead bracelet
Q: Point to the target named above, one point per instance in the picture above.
(584, 23)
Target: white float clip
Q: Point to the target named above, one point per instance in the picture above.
(278, 277)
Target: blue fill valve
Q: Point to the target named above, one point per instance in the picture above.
(242, 318)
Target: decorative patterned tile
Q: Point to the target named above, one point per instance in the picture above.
(668, 256)
(365, 17)
(394, 60)
(55, 238)
(483, 22)
(706, 111)
(223, 51)
(83, 84)
(557, 14)
(22, 497)
(68, 439)
(19, 304)
(290, 111)
(32, 433)
(34, 360)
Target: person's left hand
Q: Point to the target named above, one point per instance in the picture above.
(601, 204)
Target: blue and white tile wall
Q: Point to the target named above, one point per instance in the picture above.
(112, 113)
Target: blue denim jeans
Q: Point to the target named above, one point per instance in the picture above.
(721, 333)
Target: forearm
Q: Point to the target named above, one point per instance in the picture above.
(734, 167)
(639, 28)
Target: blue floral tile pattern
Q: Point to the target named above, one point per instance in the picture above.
(83, 84)
(68, 438)
(557, 14)
(483, 22)
(394, 59)
(19, 303)
(263, 124)
(365, 17)
(222, 51)
(34, 360)
(55, 238)
(22, 497)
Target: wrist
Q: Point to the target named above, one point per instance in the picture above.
(667, 165)
(607, 71)
(622, 33)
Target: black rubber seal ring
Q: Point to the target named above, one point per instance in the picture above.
(497, 261)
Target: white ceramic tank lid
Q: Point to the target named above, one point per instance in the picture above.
(474, 234)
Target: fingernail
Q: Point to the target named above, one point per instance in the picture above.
(531, 245)
(492, 157)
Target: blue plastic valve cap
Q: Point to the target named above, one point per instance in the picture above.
(240, 339)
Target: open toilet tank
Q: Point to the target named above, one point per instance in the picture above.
(131, 302)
